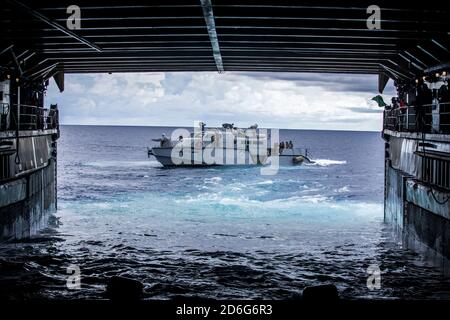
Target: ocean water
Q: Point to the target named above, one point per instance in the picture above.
(217, 232)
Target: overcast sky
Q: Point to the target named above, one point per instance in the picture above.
(273, 100)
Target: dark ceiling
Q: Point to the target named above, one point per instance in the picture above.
(227, 35)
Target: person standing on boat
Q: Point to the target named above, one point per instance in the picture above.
(164, 142)
(202, 128)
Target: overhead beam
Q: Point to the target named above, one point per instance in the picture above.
(6, 49)
(415, 58)
(211, 26)
(383, 79)
(439, 67)
(428, 53)
(412, 63)
(55, 25)
(440, 45)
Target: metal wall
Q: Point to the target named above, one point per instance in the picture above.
(30, 201)
(414, 205)
(28, 184)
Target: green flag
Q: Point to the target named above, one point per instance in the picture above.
(379, 99)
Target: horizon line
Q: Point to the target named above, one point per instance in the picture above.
(181, 126)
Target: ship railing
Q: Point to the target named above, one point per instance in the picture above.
(400, 119)
(426, 118)
(30, 117)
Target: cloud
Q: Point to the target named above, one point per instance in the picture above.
(283, 100)
(331, 81)
(366, 110)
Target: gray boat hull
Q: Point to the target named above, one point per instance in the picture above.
(169, 157)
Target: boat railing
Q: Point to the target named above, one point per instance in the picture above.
(293, 151)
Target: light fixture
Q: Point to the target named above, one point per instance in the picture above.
(444, 73)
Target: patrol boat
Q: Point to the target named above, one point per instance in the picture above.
(227, 145)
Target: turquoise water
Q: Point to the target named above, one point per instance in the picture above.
(218, 232)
